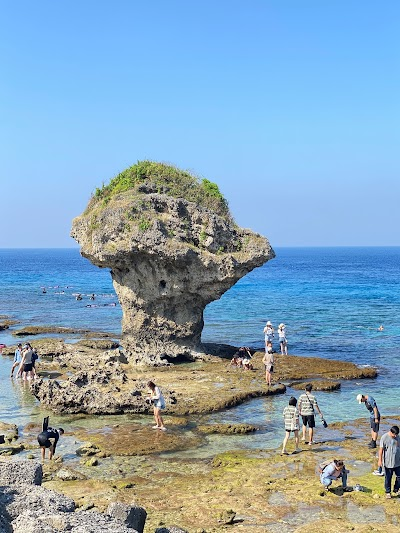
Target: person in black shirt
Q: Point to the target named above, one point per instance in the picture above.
(48, 438)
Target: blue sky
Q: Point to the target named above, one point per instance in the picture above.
(292, 107)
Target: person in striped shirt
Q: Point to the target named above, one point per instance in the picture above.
(307, 407)
(291, 420)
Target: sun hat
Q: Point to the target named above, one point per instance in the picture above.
(281, 325)
(269, 323)
(359, 398)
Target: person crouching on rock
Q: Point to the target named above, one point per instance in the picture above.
(48, 439)
(332, 472)
(157, 399)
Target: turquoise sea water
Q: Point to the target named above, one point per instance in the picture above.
(332, 301)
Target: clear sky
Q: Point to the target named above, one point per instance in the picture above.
(291, 106)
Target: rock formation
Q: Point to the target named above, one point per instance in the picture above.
(172, 248)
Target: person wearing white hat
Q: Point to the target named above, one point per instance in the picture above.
(268, 334)
(375, 416)
(282, 338)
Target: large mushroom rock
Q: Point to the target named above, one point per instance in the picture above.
(172, 248)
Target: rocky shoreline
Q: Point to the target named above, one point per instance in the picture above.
(128, 461)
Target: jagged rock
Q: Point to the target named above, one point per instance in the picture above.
(84, 393)
(68, 474)
(21, 472)
(132, 516)
(172, 248)
(87, 449)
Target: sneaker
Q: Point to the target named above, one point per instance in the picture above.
(163, 428)
(155, 427)
(372, 444)
(284, 453)
(297, 450)
(388, 496)
(303, 438)
(312, 442)
(377, 473)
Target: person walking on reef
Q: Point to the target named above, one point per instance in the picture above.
(48, 438)
(375, 416)
(307, 406)
(282, 339)
(389, 459)
(157, 399)
(17, 359)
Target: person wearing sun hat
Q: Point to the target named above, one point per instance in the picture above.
(268, 334)
(375, 416)
(282, 338)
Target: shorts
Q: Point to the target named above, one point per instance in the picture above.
(269, 368)
(28, 367)
(375, 425)
(43, 440)
(308, 420)
(282, 340)
(268, 338)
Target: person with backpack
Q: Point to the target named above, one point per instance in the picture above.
(157, 399)
(307, 407)
(332, 472)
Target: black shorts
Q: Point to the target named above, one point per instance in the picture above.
(43, 440)
(308, 420)
(375, 425)
(28, 367)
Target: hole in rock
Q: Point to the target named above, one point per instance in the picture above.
(163, 284)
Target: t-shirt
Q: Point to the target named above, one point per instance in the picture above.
(291, 417)
(307, 404)
(370, 404)
(28, 357)
(391, 450)
(17, 356)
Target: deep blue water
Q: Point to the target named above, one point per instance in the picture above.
(332, 301)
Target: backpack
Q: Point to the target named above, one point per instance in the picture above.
(321, 467)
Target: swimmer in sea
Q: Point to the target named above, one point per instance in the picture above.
(380, 328)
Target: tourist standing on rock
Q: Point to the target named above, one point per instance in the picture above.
(158, 402)
(268, 361)
(291, 418)
(282, 339)
(307, 407)
(389, 458)
(375, 416)
(17, 359)
(268, 334)
(48, 438)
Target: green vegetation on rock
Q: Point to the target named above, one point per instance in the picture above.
(150, 176)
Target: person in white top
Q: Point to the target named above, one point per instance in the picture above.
(282, 339)
(157, 399)
(268, 334)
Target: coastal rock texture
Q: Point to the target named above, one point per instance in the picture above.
(172, 248)
(26, 507)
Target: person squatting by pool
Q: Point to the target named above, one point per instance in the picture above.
(332, 472)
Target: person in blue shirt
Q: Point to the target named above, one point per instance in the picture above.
(332, 472)
(17, 359)
(375, 416)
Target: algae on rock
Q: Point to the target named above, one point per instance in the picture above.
(172, 248)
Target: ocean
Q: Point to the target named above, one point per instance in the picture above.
(332, 301)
